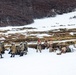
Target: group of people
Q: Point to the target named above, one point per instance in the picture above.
(22, 48)
(57, 47)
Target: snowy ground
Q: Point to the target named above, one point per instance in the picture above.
(44, 63)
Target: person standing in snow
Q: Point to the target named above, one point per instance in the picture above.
(38, 45)
(13, 49)
(22, 48)
(26, 46)
(50, 45)
(1, 50)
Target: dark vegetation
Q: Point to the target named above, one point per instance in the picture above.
(22, 12)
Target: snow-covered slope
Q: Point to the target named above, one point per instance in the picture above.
(44, 63)
(60, 21)
(67, 20)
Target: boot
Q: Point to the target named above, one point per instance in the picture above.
(1, 56)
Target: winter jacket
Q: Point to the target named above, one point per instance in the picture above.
(13, 48)
(26, 46)
(22, 47)
(38, 42)
(0, 49)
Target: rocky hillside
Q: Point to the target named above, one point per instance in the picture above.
(22, 12)
(48, 8)
(15, 12)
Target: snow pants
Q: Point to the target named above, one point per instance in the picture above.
(38, 48)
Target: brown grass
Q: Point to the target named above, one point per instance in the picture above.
(63, 34)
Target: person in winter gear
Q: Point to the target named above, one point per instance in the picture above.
(38, 45)
(63, 50)
(46, 45)
(17, 49)
(13, 50)
(21, 49)
(25, 46)
(1, 50)
(50, 45)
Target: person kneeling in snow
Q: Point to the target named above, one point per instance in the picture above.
(62, 50)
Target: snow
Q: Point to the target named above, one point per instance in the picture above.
(2, 38)
(45, 63)
(45, 24)
(55, 23)
(39, 35)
